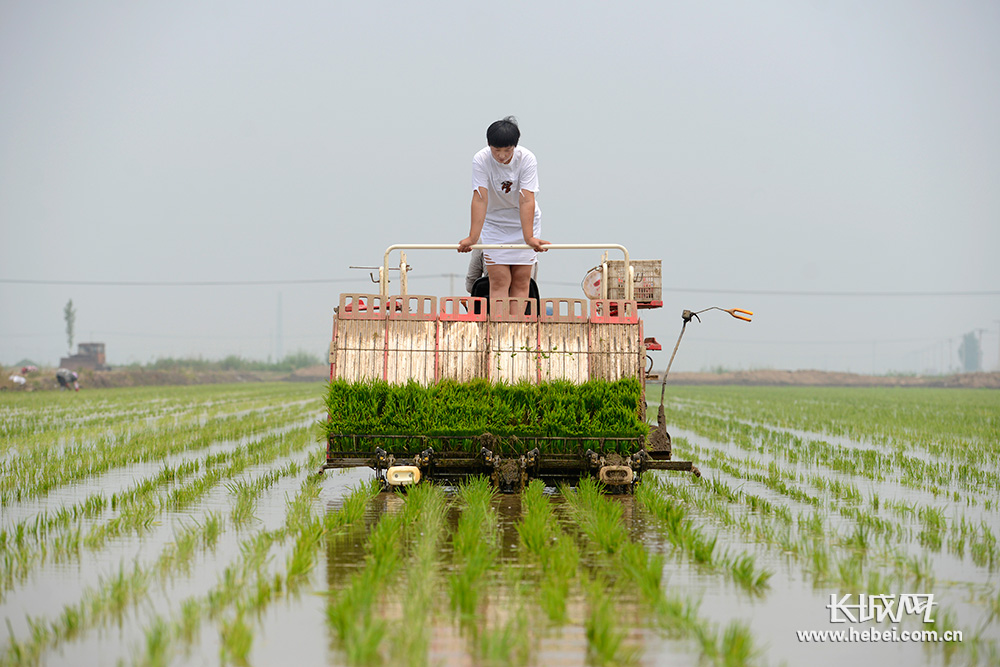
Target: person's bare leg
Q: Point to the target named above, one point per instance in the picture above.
(520, 279)
(499, 280)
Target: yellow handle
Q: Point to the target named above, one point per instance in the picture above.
(740, 317)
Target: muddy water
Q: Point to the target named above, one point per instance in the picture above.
(562, 645)
(297, 626)
(293, 628)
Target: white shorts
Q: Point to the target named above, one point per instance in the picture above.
(495, 231)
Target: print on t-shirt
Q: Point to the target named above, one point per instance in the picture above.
(506, 186)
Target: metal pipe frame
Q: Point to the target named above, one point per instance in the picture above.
(383, 272)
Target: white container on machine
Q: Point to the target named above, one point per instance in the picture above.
(402, 475)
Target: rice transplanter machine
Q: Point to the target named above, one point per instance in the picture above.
(402, 338)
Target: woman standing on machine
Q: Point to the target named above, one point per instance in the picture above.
(504, 183)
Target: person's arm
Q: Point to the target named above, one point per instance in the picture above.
(527, 211)
(479, 199)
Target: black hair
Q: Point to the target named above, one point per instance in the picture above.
(503, 133)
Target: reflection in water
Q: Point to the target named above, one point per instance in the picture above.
(509, 608)
(345, 553)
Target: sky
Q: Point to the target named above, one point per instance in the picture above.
(199, 177)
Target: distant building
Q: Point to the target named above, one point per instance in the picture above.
(88, 355)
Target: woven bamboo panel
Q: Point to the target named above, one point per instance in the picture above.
(360, 349)
(462, 355)
(615, 351)
(563, 351)
(513, 353)
(429, 350)
(410, 352)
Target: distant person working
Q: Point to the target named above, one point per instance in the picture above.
(67, 379)
(504, 183)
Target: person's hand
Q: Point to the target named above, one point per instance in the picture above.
(537, 244)
(465, 245)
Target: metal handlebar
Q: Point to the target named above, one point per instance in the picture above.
(383, 271)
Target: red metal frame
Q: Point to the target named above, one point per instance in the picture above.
(470, 304)
(572, 305)
(613, 311)
(354, 307)
(513, 309)
(413, 307)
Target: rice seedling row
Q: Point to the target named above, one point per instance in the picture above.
(870, 462)
(136, 509)
(451, 411)
(454, 575)
(872, 540)
(599, 519)
(34, 472)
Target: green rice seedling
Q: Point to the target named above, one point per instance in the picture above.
(303, 556)
(558, 574)
(264, 588)
(536, 526)
(359, 632)
(244, 584)
(185, 544)
(300, 515)
(874, 501)
(599, 518)
(643, 569)
(190, 620)
(70, 623)
(605, 637)
(918, 570)
(737, 645)
(424, 527)
(157, 644)
(353, 507)
(722, 489)
(256, 548)
(675, 614)
(475, 549)
(350, 612)
(236, 639)
(983, 548)
(819, 560)
(701, 547)
(244, 505)
(34, 471)
(877, 582)
(121, 591)
(212, 529)
(16, 653)
(231, 583)
(944, 621)
(745, 573)
(851, 573)
(555, 553)
(506, 644)
(859, 539)
(596, 408)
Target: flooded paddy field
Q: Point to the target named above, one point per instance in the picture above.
(187, 525)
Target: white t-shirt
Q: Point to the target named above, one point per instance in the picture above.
(504, 182)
